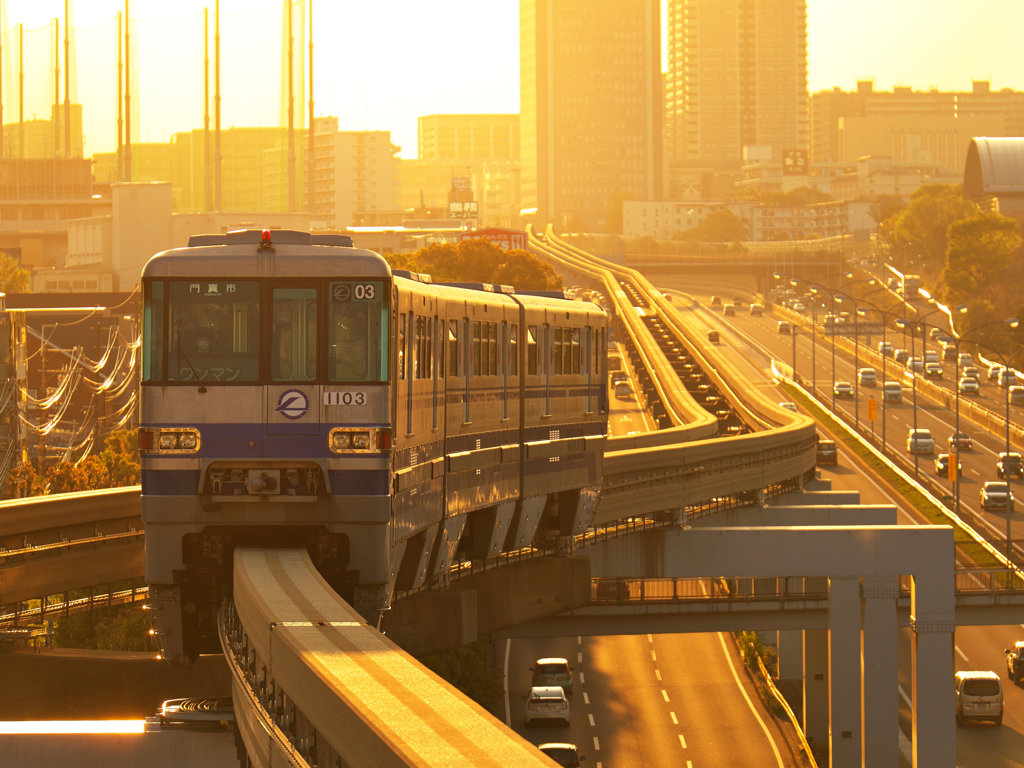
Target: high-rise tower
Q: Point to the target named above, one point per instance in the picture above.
(591, 107)
(737, 77)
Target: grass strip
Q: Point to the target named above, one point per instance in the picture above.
(964, 541)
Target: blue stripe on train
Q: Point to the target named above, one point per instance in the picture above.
(185, 482)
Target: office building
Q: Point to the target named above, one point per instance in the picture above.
(591, 101)
(34, 139)
(737, 77)
(468, 138)
(357, 173)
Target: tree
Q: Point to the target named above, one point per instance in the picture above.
(24, 481)
(13, 279)
(120, 459)
(933, 208)
(614, 224)
(719, 227)
(466, 668)
(981, 251)
(479, 261)
(884, 207)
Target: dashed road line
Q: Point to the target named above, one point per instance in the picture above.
(579, 640)
(682, 740)
(664, 694)
(579, 658)
(650, 639)
(657, 674)
(597, 745)
(675, 720)
(586, 699)
(583, 679)
(591, 720)
(904, 695)
(962, 654)
(654, 657)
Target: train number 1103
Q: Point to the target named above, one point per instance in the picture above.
(344, 398)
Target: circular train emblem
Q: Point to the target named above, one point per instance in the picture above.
(293, 404)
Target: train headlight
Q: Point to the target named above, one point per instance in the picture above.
(188, 441)
(361, 440)
(341, 441)
(168, 441)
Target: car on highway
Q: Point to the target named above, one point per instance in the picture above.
(971, 372)
(901, 356)
(1016, 393)
(996, 495)
(784, 326)
(828, 453)
(979, 696)
(964, 359)
(867, 377)
(713, 336)
(756, 310)
(1009, 464)
(615, 362)
(623, 390)
(842, 389)
(892, 392)
(934, 333)
(942, 466)
(968, 386)
(547, 703)
(799, 307)
(960, 441)
(885, 348)
(566, 755)
(1007, 376)
(994, 370)
(932, 371)
(729, 310)
(716, 301)
(915, 364)
(737, 302)
(949, 352)
(931, 356)
(789, 407)
(552, 672)
(1015, 661)
(920, 441)
(617, 377)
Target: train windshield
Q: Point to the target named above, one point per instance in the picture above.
(357, 331)
(213, 331)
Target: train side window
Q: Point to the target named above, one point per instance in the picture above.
(513, 343)
(576, 351)
(504, 345)
(531, 350)
(428, 347)
(153, 345)
(492, 341)
(476, 347)
(435, 348)
(453, 347)
(558, 351)
(294, 343)
(401, 346)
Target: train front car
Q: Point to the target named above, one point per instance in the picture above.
(265, 418)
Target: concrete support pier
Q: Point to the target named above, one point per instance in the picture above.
(879, 667)
(844, 671)
(816, 685)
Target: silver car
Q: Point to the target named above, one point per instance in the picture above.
(996, 495)
(547, 702)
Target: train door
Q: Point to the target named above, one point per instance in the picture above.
(293, 401)
(547, 358)
(588, 364)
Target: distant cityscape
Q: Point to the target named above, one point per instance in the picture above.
(605, 142)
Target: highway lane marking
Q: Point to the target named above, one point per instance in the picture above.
(682, 740)
(657, 674)
(597, 745)
(675, 720)
(650, 639)
(688, 764)
(905, 697)
(579, 640)
(508, 708)
(664, 694)
(975, 471)
(586, 699)
(579, 658)
(653, 656)
(962, 654)
(736, 677)
(582, 678)
(591, 719)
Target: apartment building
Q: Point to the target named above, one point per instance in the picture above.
(357, 173)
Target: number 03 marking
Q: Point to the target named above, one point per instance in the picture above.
(344, 398)
(365, 292)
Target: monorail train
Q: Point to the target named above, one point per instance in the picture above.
(298, 393)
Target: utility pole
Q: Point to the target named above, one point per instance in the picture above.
(217, 157)
(127, 94)
(100, 400)
(56, 87)
(3, 149)
(310, 163)
(67, 81)
(291, 110)
(42, 379)
(207, 170)
(120, 105)
(21, 91)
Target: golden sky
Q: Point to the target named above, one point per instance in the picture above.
(381, 64)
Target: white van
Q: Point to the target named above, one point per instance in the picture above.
(867, 377)
(920, 441)
(979, 696)
(892, 392)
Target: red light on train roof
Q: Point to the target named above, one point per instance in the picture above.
(265, 239)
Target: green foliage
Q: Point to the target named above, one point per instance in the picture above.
(116, 466)
(13, 279)
(466, 668)
(120, 456)
(478, 261)
(719, 227)
(981, 249)
(613, 224)
(123, 628)
(24, 481)
(752, 646)
(933, 207)
(885, 207)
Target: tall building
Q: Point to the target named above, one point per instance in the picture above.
(737, 77)
(35, 138)
(467, 138)
(357, 173)
(591, 101)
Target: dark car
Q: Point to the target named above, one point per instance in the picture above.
(563, 754)
(942, 466)
(827, 452)
(1009, 464)
(1015, 661)
(713, 336)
